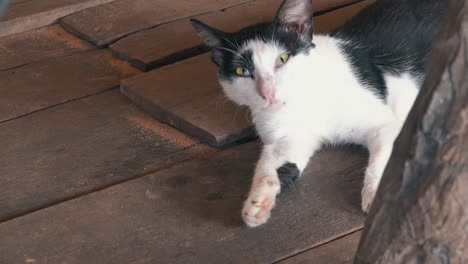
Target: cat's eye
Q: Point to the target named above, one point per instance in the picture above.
(283, 58)
(244, 72)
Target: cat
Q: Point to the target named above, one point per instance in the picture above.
(355, 84)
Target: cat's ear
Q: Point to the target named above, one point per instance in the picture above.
(210, 35)
(212, 38)
(297, 15)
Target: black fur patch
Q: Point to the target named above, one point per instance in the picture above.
(391, 37)
(287, 174)
(229, 59)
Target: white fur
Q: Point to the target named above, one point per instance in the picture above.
(320, 99)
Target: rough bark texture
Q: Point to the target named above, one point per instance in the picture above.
(420, 212)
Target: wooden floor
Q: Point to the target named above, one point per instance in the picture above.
(88, 174)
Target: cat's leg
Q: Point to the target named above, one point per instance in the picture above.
(380, 145)
(280, 163)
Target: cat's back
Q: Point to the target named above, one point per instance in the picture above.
(388, 22)
(391, 37)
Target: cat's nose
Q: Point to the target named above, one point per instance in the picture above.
(268, 94)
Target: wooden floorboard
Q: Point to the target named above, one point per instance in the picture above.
(191, 214)
(22, 16)
(47, 83)
(187, 95)
(340, 251)
(39, 44)
(75, 148)
(104, 24)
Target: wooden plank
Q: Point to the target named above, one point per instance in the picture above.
(340, 251)
(23, 16)
(191, 214)
(104, 24)
(39, 44)
(148, 50)
(46, 83)
(75, 148)
(193, 103)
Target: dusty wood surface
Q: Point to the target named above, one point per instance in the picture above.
(148, 50)
(340, 251)
(419, 215)
(187, 95)
(46, 83)
(104, 24)
(22, 16)
(191, 214)
(39, 44)
(81, 146)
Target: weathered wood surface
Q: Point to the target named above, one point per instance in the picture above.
(81, 146)
(104, 24)
(168, 43)
(190, 213)
(340, 251)
(46, 83)
(420, 212)
(187, 95)
(39, 44)
(22, 16)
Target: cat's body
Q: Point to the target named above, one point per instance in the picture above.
(356, 84)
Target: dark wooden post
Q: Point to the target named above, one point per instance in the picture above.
(420, 214)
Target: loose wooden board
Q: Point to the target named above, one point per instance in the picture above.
(39, 44)
(187, 95)
(168, 43)
(22, 16)
(340, 251)
(46, 83)
(75, 148)
(104, 24)
(190, 213)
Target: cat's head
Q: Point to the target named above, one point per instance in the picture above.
(256, 65)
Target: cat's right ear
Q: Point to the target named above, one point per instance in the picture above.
(210, 35)
(212, 38)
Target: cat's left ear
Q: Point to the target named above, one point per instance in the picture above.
(297, 15)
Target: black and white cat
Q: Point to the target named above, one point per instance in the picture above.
(356, 84)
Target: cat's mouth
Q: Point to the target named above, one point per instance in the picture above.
(274, 106)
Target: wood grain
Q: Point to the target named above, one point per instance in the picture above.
(147, 50)
(23, 16)
(340, 251)
(193, 102)
(104, 24)
(39, 44)
(419, 215)
(75, 148)
(47, 83)
(191, 214)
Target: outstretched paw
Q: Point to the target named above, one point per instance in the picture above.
(257, 208)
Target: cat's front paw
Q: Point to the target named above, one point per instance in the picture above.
(367, 194)
(257, 208)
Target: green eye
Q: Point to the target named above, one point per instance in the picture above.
(283, 58)
(244, 72)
